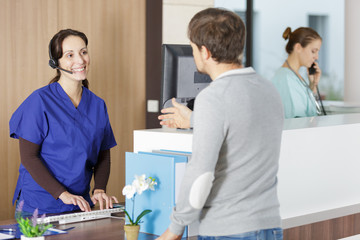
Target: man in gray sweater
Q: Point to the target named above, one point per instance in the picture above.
(230, 184)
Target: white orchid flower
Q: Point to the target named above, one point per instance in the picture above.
(140, 184)
(129, 191)
(152, 183)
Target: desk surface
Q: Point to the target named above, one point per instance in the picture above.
(109, 228)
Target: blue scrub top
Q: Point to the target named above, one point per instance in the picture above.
(70, 138)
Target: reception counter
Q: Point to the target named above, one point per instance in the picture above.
(318, 171)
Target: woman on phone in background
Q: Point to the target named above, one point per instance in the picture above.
(297, 91)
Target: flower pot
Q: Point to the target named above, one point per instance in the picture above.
(132, 232)
(23, 237)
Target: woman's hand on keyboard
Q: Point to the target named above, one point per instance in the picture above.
(100, 196)
(69, 198)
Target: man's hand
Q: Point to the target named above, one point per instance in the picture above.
(100, 196)
(177, 116)
(69, 198)
(167, 235)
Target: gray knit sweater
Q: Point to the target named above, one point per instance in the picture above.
(230, 182)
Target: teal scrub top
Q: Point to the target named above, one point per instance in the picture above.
(70, 139)
(298, 100)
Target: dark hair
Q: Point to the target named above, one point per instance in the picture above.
(221, 31)
(56, 49)
(302, 35)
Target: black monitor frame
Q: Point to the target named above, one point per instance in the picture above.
(180, 78)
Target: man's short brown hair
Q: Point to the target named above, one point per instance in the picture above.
(221, 31)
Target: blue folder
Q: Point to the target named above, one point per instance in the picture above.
(161, 201)
(175, 152)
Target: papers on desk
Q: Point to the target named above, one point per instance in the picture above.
(343, 107)
(6, 236)
(17, 233)
(54, 231)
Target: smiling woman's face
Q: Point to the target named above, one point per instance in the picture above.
(75, 58)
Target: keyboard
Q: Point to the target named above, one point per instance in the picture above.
(81, 216)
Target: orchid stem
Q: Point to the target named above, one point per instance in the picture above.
(133, 207)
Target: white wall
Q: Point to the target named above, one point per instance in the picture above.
(176, 17)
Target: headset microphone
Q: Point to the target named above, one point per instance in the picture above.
(54, 63)
(51, 64)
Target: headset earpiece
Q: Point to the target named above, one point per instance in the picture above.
(53, 63)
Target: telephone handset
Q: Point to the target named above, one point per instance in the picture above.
(312, 69)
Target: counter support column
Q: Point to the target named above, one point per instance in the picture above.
(352, 51)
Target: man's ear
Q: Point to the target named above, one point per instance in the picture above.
(205, 53)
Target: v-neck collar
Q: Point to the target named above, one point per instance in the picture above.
(67, 99)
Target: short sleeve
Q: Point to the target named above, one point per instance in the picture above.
(288, 98)
(109, 138)
(29, 120)
(288, 89)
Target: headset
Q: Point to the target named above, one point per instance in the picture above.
(53, 63)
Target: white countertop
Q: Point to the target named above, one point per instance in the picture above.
(318, 166)
(321, 121)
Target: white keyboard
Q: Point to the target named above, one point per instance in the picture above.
(81, 216)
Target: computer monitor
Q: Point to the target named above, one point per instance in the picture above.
(180, 78)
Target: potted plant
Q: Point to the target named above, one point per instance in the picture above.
(31, 230)
(138, 186)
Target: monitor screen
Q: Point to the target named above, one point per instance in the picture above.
(180, 78)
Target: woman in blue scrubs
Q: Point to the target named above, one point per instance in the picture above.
(64, 136)
(296, 90)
